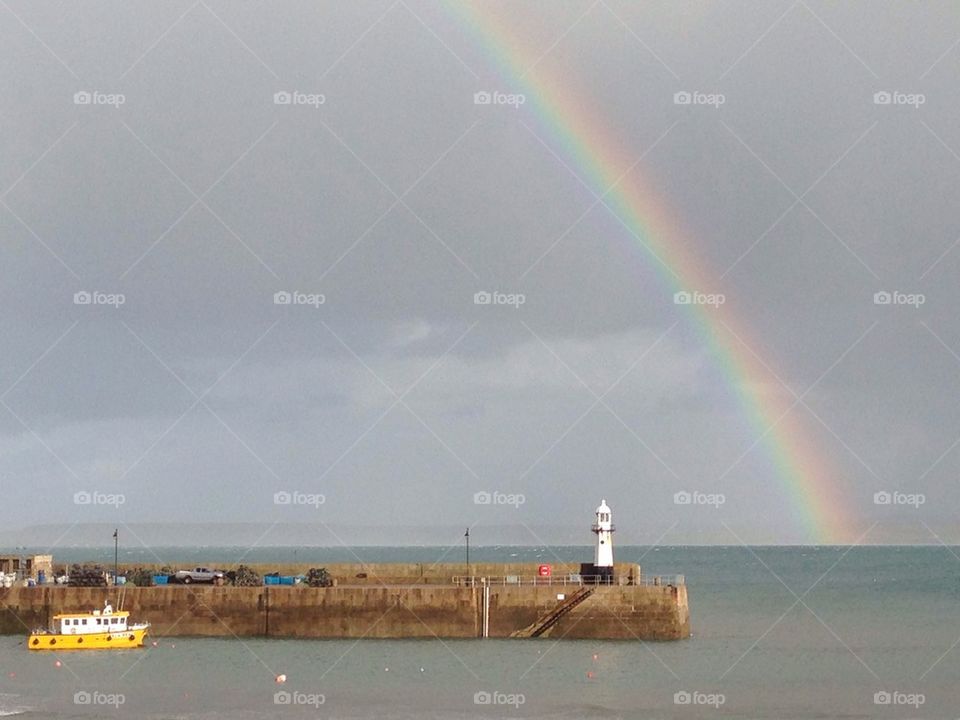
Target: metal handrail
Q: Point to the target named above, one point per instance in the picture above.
(472, 580)
(561, 580)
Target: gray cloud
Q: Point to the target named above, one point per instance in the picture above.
(398, 199)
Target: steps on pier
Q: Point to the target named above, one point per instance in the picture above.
(549, 619)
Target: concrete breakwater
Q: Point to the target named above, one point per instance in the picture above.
(378, 609)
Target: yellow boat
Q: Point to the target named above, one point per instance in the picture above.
(95, 630)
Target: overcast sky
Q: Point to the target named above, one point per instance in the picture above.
(183, 187)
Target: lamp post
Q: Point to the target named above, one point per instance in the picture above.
(116, 541)
(467, 536)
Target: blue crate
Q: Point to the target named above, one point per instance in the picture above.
(279, 579)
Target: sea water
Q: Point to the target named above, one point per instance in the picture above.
(816, 632)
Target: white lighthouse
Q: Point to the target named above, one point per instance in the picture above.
(603, 528)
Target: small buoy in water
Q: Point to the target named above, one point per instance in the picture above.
(281, 678)
(421, 669)
(386, 669)
(57, 663)
(595, 656)
(173, 645)
(12, 674)
(590, 675)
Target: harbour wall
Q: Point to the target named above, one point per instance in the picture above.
(624, 612)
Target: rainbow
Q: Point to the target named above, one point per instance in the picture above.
(586, 145)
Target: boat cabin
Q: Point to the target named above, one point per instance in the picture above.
(88, 623)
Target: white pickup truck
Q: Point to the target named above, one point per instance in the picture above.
(198, 575)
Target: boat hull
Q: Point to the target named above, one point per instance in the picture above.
(87, 641)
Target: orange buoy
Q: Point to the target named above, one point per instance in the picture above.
(57, 663)
(281, 678)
